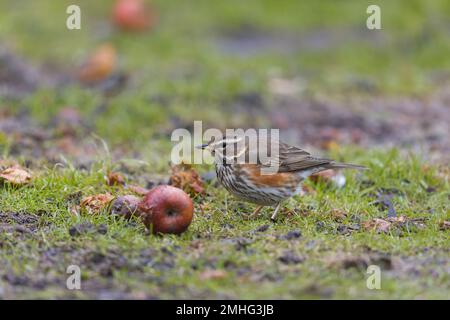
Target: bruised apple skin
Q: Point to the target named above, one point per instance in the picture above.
(166, 209)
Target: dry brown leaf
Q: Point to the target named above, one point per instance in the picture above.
(213, 274)
(7, 163)
(186, 178)
(384, 225)
(16, 175)
(398, 220)
(379, 225)
(141, 191)
(337, 214)
(114, 179)
(94, 204)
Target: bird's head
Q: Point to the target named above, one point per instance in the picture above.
(226, 148)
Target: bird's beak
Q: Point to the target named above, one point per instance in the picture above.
(202, 146)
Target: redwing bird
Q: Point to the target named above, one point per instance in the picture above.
(240, 169)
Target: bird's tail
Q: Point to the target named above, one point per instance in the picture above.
(337, 165)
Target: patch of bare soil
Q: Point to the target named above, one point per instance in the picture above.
(247, 40)
(62, 137)
(23, 223)
(19, 78)
(426, 262)
(99, 266)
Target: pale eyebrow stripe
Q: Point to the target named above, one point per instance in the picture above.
(227, 140)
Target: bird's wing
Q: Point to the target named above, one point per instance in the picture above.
(291, 158)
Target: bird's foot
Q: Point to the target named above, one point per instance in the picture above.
(275, 212)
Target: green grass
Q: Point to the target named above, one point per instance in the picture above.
(252, 269)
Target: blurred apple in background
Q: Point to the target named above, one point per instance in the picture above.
(133, 15)
(99, 65)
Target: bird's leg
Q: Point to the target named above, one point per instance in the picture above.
(274, 215)
(255, 213)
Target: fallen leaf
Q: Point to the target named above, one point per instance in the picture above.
(94, 204)
(7, 163)
(378, 225)
(401, 219)
(186, 178)
(141, 191)
(337, 214)
(115, 178)
(16, 175)
(385, 225)
(213, 274)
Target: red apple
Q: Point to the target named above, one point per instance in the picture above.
(133, 15)
(166, 209)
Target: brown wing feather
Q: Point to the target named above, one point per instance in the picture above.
(292, 158)
(295, 159)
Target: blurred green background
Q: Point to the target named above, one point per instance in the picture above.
(201, 56)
